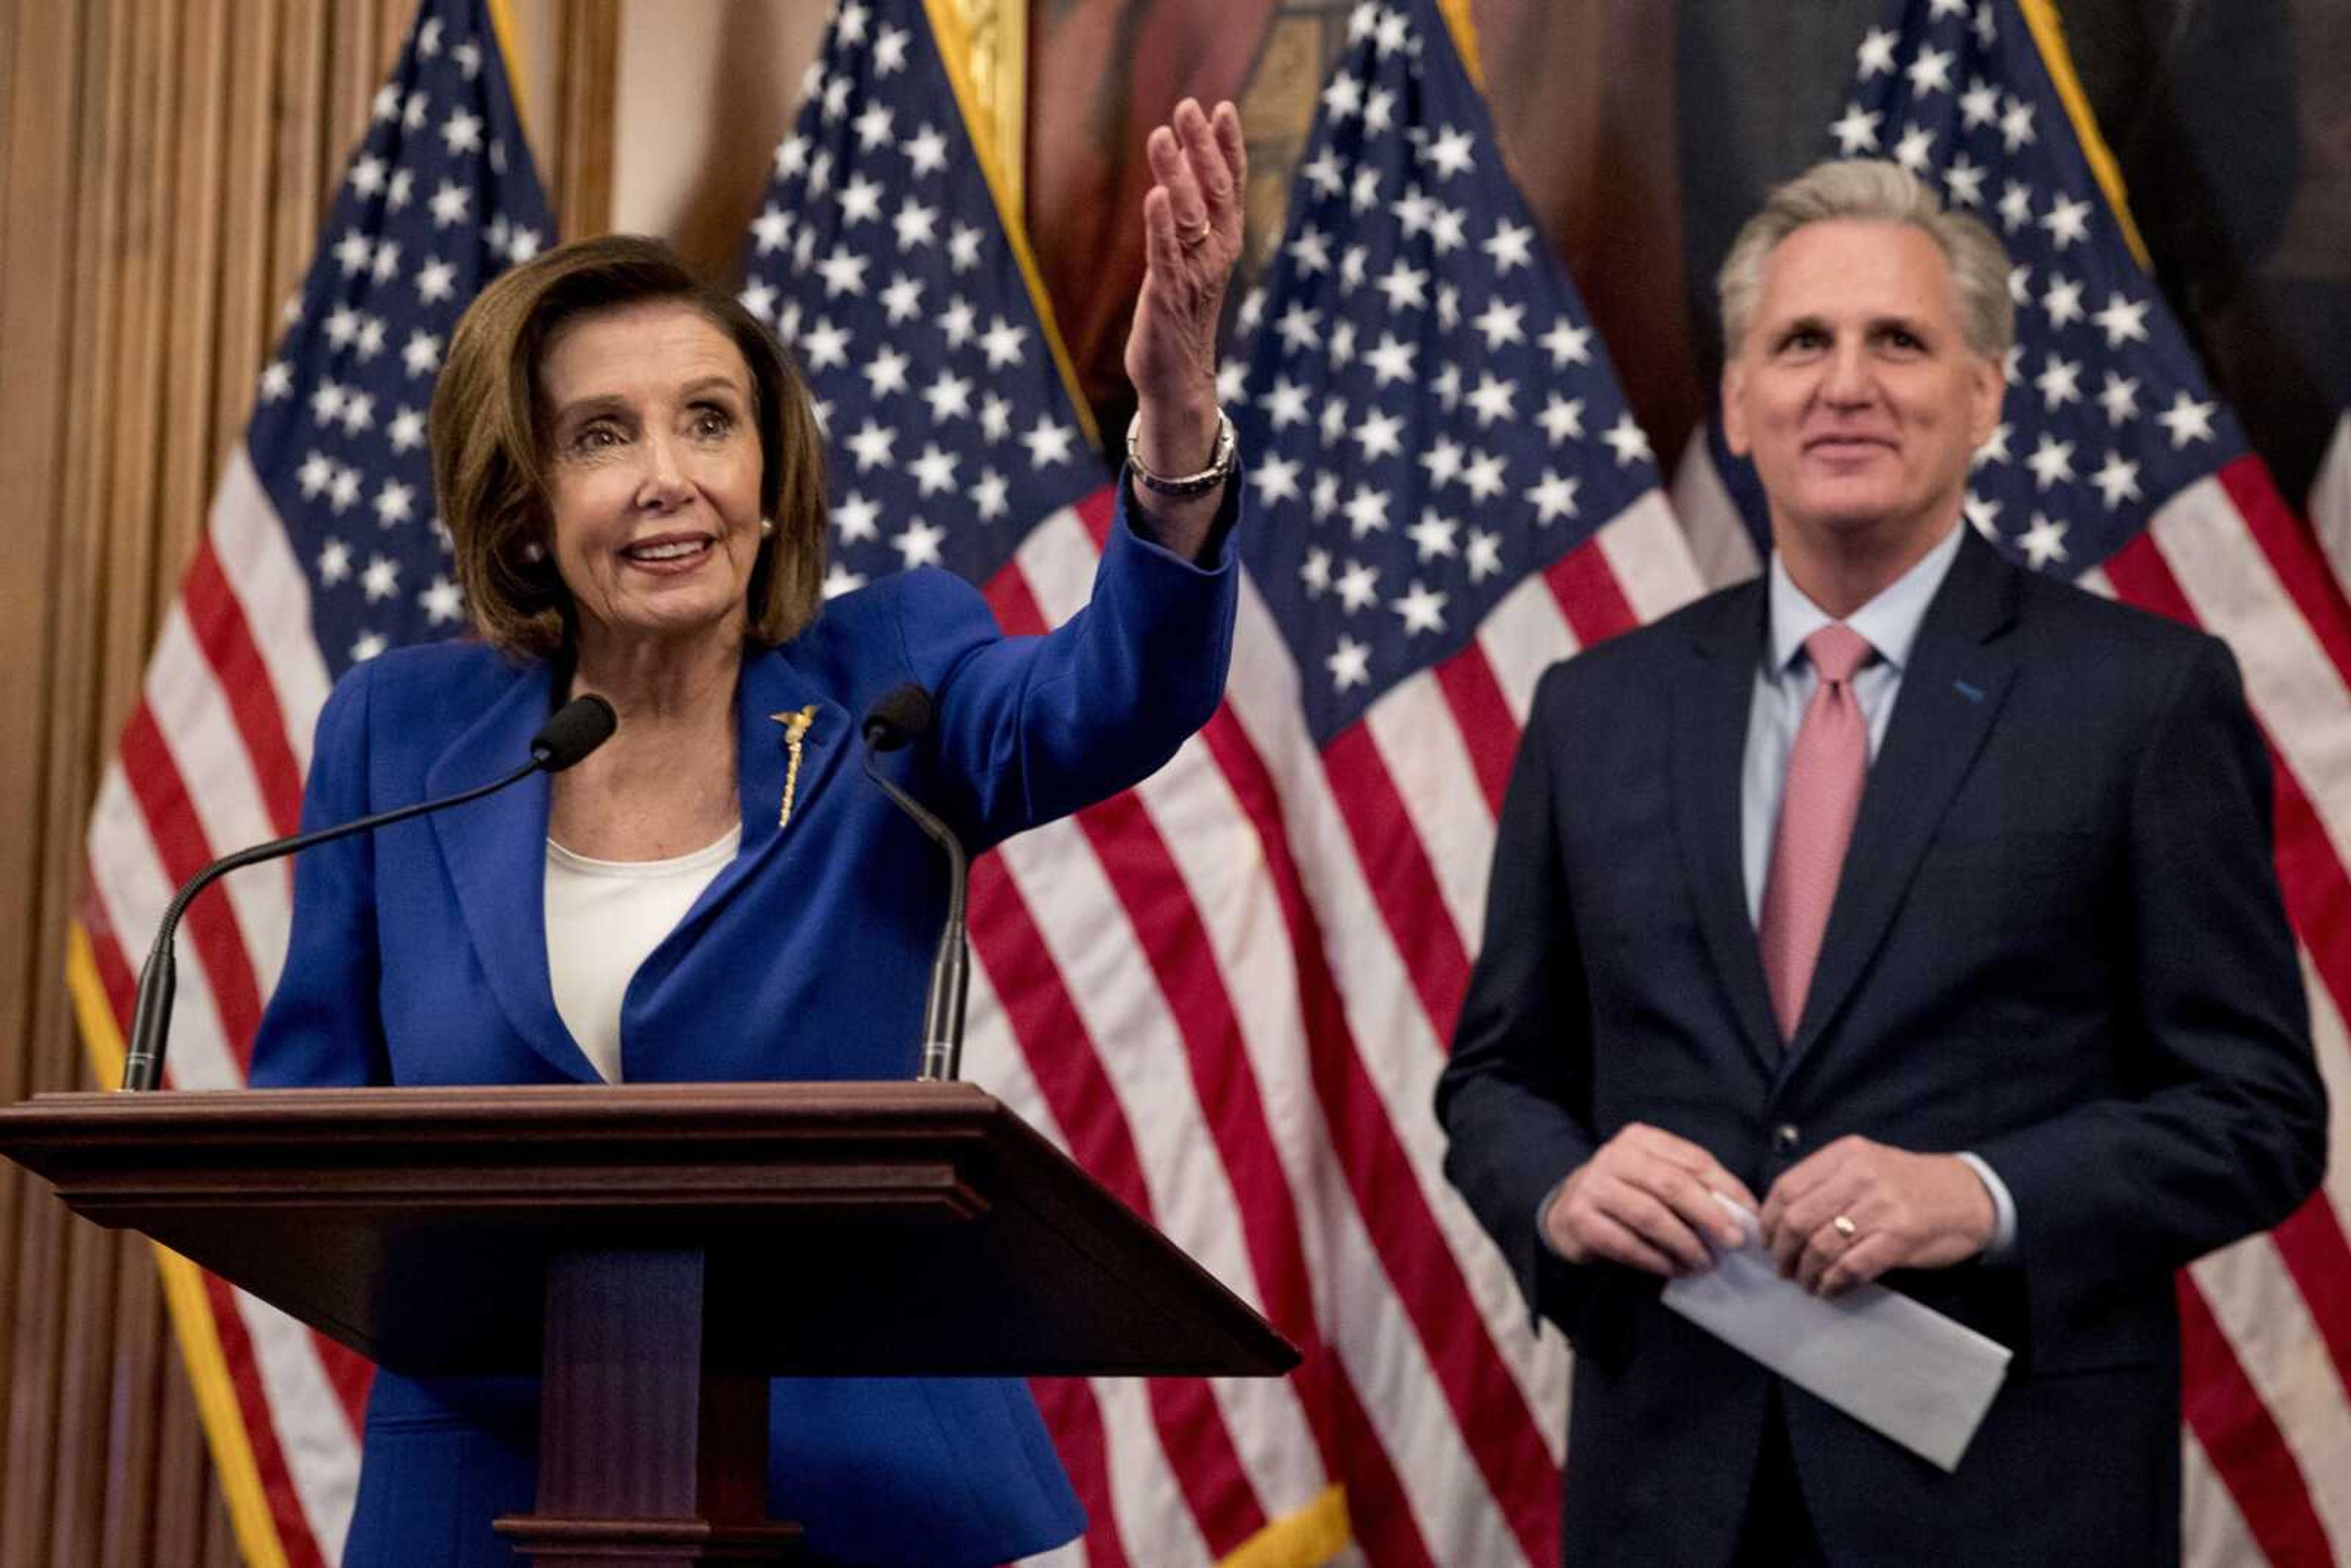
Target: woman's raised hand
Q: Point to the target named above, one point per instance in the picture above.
(1192, 237)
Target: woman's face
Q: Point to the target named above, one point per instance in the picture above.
(654, 473)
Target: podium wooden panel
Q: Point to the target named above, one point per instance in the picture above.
(656, 1252)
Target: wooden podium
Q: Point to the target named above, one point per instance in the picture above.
(656, 1252)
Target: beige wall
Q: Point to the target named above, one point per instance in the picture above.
(704, 90)
(700, 92)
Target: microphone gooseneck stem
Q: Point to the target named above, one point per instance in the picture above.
(151, 1020)
(950, 977)
(951, 971)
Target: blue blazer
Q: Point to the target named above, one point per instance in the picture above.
(2057, 942)
(419, 956)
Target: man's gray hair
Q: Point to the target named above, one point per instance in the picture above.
(1871, 190)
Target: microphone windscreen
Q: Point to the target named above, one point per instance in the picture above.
(899, 717)
(579, 727)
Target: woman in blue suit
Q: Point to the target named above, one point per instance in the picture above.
(630, 474)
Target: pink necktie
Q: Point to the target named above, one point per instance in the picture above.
(1826, 768)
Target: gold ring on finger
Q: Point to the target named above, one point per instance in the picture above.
(1843, 1226)
(1191, 238)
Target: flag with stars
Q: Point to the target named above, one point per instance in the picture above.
(1453, 495)
(323, 549)
(2116, 465)
(879, 259)
(885, 262)
(1227, 991)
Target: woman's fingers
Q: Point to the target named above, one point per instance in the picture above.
(1172, 168)
(1200, 161)
(1227, 125)
(1212, 173)
(1161, 249)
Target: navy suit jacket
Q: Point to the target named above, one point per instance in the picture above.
(2057, 942)
(419, 956)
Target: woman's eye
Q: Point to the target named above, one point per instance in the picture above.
(713, 421)
(596, 437)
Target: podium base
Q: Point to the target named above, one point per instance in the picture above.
(650, 1542)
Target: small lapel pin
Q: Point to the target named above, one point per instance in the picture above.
(796, 723)
(1974, 694)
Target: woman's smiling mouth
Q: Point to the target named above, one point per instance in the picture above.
(669, 553)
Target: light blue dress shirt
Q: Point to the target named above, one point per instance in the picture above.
(1784, 684)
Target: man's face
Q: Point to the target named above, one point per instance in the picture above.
(1855, 393)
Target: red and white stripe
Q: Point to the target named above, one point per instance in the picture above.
(2330, 501)
(1258, 954)
(2267, 1323)
(212, 759)
(1718, 540)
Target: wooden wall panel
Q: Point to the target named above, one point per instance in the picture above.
(166, 166)
(190, 244)
(246, 313)
(8, 30)
(40, 1284)
(580, 184)
(185, 1497)
(41, 68)
(303, 179)
(141, 1363)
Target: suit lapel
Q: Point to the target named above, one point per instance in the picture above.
(1712, 707)
(1950, 694)
(495, 853)
(495, 849)
(771, 685)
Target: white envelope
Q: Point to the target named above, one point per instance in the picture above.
(1897, 1367)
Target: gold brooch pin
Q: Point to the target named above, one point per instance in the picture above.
(796, 728)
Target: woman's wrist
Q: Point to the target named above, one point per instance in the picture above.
(1178, 436)
(1191, 482)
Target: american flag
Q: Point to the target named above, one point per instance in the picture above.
(2116, 465)
(323, 549)
(880, 262)
(1454, 495)
(1228, 991)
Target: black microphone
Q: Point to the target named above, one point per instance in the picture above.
(899, 718)
(577, 728)
(574, 730)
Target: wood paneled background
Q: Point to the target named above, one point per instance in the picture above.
(167, 165)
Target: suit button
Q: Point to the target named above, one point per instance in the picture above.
(1784, 1137)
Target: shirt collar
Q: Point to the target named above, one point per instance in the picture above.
(1889, 622)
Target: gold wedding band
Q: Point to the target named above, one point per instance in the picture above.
(1191, 238)
(1843, 1226)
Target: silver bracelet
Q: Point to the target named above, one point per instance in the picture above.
(1219, 469)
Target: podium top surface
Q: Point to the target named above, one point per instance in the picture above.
(849, 1228)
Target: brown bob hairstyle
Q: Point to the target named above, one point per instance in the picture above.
(489, 432)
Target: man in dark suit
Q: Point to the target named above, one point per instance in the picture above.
(1923, 896)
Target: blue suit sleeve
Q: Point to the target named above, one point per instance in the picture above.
(1034, 727)
(322, 1028)
(2229, 1131)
